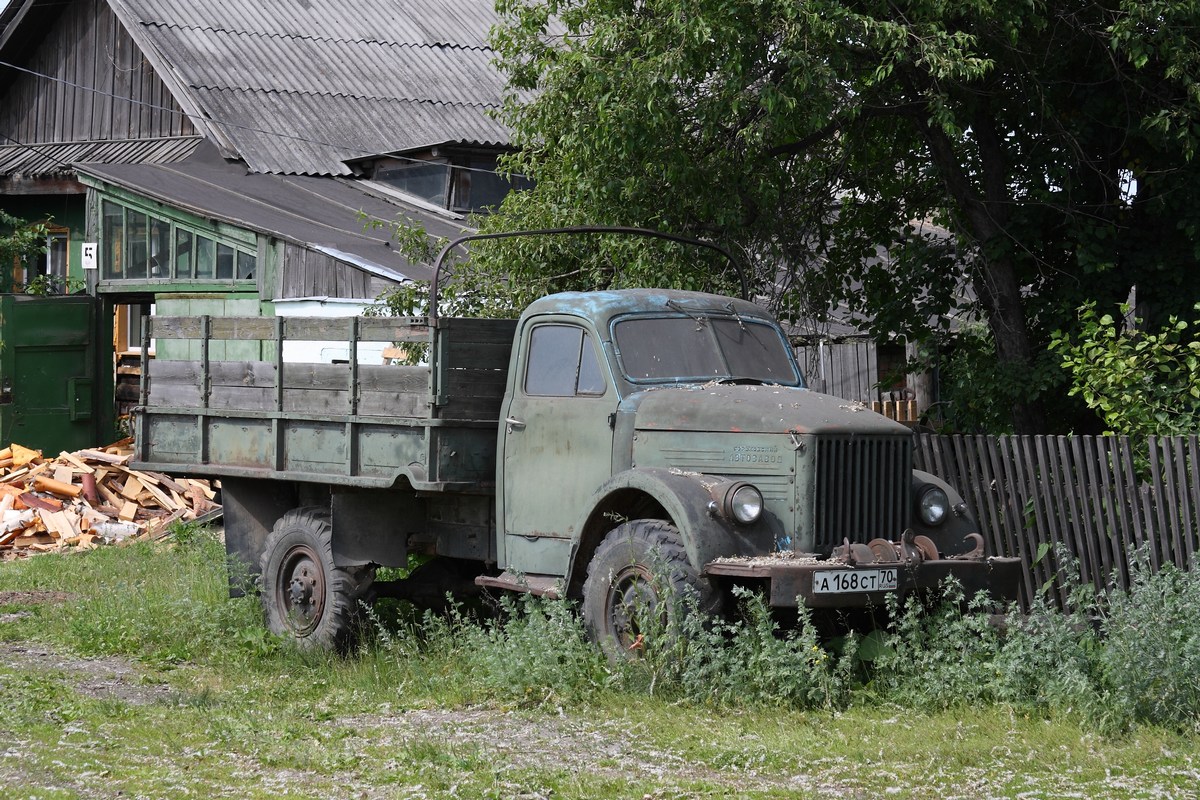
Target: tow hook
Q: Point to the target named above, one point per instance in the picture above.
(912, 548)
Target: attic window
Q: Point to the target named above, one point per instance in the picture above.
(461, 181)
(426, 180)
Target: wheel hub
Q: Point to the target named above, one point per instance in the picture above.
(632, 600)
(300, 588)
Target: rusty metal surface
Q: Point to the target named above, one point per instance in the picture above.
(791, 580)
(548, 586)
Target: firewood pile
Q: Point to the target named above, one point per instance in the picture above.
(89, 498)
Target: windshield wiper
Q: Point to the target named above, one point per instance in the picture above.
(729, 307)
(745, 380)
(701, 320)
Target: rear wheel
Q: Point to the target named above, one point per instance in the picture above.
(304, 595)
(638, 582)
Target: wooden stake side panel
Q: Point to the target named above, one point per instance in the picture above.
(355, 423)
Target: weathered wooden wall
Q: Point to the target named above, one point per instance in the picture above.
(307, 273)
(100, 86)
(847, 369)
(1103, 499)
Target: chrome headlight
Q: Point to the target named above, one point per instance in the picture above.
(743, 503)
(933, 506)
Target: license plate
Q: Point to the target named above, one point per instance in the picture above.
(844, 581)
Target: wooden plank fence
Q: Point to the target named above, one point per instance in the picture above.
(1102, 498)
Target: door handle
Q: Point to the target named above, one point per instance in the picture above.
(514, 424)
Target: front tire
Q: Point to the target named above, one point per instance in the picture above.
(305, 596)
(641, 573)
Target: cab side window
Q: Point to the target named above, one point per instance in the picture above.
(562, 363)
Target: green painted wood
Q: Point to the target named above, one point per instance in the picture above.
(48, 379)
(357, 424)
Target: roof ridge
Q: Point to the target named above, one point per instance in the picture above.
(316, 37)
(347, 95)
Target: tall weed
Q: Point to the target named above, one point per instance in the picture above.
(1116, 660)
(937, 655)
(750, 661)
(532, 650)
(1149, 658)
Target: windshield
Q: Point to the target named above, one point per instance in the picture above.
(688, 348)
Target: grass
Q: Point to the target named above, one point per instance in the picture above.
(524, 707)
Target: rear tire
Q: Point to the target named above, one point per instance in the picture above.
(640, 570)
(305, 596)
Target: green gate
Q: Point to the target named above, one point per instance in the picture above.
(47, 372)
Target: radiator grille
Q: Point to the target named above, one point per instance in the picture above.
(862, 488)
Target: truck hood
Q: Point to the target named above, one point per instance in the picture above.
(752, 409)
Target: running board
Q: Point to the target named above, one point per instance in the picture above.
(540, 585)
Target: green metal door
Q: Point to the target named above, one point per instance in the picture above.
(47, 372)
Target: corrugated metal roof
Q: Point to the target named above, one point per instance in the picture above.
(296, 87)
(321, 213)
(294, 134)
(54, 159)
(462, 22)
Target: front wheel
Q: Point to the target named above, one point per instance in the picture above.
(638, 583)
(304, 595)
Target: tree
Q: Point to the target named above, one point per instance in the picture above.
(823, 140)
(18, 245)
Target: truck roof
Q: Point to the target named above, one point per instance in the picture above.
(604, 305)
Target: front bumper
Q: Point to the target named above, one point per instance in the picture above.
(790, 580)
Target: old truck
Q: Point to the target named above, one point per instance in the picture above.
(601, 436)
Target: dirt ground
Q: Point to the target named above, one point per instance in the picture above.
(516, 741)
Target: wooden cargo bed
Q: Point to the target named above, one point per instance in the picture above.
(352, 424)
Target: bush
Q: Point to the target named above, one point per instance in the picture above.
(1139, 382)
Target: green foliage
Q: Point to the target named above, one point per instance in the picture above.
(1118, 660)
(46, 285)
(751, 661)
(1139, 382)
(879, 155)
(1149, 655)
(534, 651)
(941, 656)
(409, 237)
(462, 290)
(20, 241)
(977, 389)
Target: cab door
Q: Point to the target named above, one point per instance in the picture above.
(555, 443)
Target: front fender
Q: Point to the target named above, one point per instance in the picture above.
(950, 536)
(685, 497)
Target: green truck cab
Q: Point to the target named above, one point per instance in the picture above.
(600, 437)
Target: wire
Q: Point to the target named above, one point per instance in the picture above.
(33, 149)
(225, 123)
